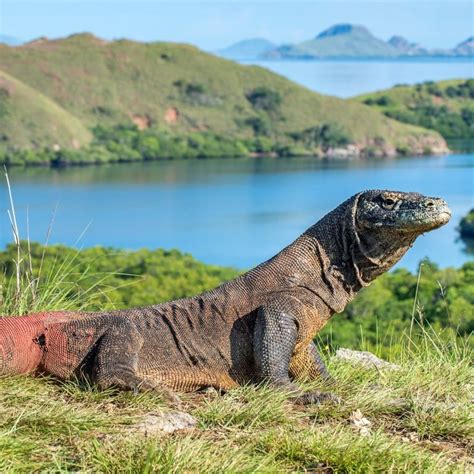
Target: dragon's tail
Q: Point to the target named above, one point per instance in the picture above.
(20, 348)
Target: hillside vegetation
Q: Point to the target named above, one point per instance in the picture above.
(28, 118)
(466, 226)
(179, 90)
(414, 418)
(445, 106)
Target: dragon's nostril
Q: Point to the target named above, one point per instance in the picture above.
(430, 203)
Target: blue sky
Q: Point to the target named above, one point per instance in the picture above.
(215, 24)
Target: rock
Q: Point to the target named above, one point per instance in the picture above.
(361, 423)
(210, 391)
(158, 424)
(343, 153)
(365, 359)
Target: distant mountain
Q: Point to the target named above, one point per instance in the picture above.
(247, 49)
(466, 48)
(10, 40)
(342, 40)
(405, 48)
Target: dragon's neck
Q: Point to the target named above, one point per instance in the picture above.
(332, 259)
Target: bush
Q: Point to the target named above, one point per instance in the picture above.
(195, 93)
(264, 98)
(259, 125)
(324, 136)
(466, 226)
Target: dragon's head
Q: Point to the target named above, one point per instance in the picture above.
(378, 227)
(398, 213)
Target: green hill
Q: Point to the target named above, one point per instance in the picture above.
(342, 40)
(445, 106)
(29, 119)
(180, 90)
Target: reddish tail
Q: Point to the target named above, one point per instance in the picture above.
(20, 344)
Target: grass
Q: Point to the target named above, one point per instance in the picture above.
(114, 82)
(29, 118)
(421, 421)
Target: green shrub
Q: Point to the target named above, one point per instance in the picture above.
(264, 98)
(466, 226)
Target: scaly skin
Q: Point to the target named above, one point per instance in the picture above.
(257, 327)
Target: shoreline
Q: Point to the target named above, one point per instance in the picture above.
(350, 153)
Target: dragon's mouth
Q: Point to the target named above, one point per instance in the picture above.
(432, 219)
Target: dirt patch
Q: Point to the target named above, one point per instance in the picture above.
(142, 121)
(437, 100)
(171, 115)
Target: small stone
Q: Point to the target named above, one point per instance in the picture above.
(365, 359)
(156, 424)
(210, 391)
(361, 423)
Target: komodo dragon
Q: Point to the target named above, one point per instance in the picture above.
(258, 327)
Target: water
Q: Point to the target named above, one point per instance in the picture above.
(240, 212)
(347, 78)
(229, 212)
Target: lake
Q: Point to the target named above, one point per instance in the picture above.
(235, 212)
(347, 78)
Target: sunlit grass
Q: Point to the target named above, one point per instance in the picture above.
(420, 421)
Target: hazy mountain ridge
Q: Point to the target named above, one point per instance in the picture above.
(10, 40)
(248, 49)
(351, 41)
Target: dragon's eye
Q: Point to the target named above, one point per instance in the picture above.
(388, 203)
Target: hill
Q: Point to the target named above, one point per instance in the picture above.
(179, 90)
(445, 106)
(29, 119)
(247, 49)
